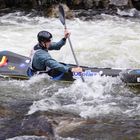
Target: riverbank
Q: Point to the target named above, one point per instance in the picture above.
(77, 8)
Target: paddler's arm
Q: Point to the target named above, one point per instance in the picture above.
(76, 69)
(62, 42)
(53, 64)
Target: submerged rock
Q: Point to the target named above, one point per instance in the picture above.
(5, 112)
(100, 129)
(14, 122)
(68, 126)
(37, 124)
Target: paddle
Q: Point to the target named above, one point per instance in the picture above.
(62, 19)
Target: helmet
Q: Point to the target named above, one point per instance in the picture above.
(44, 36)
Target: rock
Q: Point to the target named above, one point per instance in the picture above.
(35, 3)
(14, 121)
(136, 4)
(99, 129)
(5, 112)
(105, 3)
(20, 3)
(11, 117)
(50, 8)
(2, 4)
(37, 124)
(89, 3)
(66, 127)
(130, 4)
(77, 2)
(119, 2)
(128, 13)
(10, 127)
(53, 11)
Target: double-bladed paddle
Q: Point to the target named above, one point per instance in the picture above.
(62, 19)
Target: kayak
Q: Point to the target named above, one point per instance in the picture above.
(13, 65)
(16, 66)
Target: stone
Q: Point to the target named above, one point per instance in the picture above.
(119, 2)
(2, 4)
(77, 2)
(37, 124)
(5, 112)
(88, 4)
(53, 11)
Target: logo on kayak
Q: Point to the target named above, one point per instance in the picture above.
(138, 79)
(27, 61)
(11, 67)
(3, 61)
(22, 65)
(87, 73)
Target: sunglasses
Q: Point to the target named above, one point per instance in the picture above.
(49, 40)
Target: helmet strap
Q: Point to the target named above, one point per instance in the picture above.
(43, 45)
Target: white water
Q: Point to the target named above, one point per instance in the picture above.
(110, 42)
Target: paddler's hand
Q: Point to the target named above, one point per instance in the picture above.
(77, 69)
(66, 34)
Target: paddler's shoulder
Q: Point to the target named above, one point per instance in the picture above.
(36, 47)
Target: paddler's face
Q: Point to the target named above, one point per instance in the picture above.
(46, 44)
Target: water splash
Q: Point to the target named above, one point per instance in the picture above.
(38, 138)
(102, 96)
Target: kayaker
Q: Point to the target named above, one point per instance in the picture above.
(41, 60)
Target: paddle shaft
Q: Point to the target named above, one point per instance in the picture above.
(72, 48)
(62, 19)
(76, 61)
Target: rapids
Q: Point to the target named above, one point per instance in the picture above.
(108, 41)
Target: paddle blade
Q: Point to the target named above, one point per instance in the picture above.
(61, 14)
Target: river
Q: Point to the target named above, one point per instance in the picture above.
(102, 108)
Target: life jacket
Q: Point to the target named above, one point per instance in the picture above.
(33, 51)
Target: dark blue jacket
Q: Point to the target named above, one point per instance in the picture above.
(42, 59)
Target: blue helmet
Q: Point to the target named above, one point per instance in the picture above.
(44, 36)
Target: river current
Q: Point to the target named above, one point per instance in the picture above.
(108, 41)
